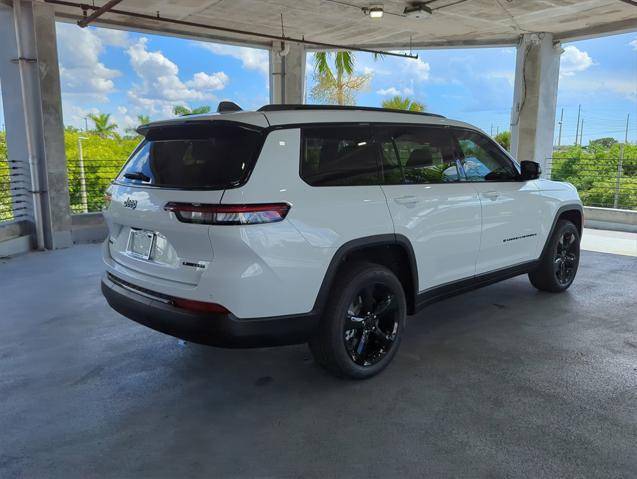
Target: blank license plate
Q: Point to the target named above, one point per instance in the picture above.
(141, 243)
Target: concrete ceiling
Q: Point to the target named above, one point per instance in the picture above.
(453, 23)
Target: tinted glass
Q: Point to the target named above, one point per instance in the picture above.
(211, 157)
(338, 156)
(482, 160)
(416, 155)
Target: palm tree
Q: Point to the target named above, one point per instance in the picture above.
(403, 103)
(338, 85)
(504, 139)
(103, 127)
(141, 120)
(181, 110)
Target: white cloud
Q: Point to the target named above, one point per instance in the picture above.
(418, 69)
(633, 44)
(81, 72)
(112, 38)
(203, 81)
(393, 91)
(160, 87)
(508, 76)
(574, 60)
(251, 58)
(75, 115)
(606, 83)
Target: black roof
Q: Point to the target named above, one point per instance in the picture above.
(342, 107)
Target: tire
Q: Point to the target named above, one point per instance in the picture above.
(366, 301)
(558, 266)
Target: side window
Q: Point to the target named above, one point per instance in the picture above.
(417, 155)
(338, 156)
(482, 160)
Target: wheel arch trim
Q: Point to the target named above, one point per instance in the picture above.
(358, 244)
(560, 211)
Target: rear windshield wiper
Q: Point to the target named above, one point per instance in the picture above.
(137, 175)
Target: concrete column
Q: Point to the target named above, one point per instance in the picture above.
(287, 73)
(535, 98)
(32, 102)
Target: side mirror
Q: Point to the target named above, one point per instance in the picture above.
(530, 170)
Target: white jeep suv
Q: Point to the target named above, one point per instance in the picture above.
(326, 225)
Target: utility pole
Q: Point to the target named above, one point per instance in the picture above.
(85, 123)
(581, 132)
(559, 136)
(579, 110)
(491, 130)
(497, 130)
(83, 196)
(620, 163)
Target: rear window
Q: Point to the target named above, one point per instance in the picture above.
(338, 156)
(194, 156)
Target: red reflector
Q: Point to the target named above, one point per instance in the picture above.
(229, 214)
(199, 306)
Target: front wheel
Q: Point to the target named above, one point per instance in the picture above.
(558, 266)
(362, 324)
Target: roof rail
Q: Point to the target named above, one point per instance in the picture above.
(342, 107)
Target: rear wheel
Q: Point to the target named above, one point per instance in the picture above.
(362, 325)
(559, 264)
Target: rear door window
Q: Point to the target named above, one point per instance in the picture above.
(416, 155)
(338, 156)
(194, 156)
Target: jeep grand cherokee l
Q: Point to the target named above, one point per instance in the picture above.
(326, 225)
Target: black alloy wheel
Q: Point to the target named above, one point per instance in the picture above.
(566, 256)
(371, 324)
(361, 327)
(558, 265)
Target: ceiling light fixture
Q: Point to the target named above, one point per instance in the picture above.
(417, 10)
(374, 11)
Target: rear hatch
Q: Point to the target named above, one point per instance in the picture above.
(189, 162)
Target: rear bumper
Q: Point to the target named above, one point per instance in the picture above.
(223, 330)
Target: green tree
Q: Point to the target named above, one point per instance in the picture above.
(181, 110)
(103, 126)
(6, 209)
(336, 84)
(504, 139)
(103, 158)
(593, 171)
(403, 103)
(605, 142)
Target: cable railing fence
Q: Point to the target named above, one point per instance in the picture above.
(88, 180)
(601, 182)
(15, 198)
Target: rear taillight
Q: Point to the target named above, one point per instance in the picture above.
(199, 306)
(229, 214)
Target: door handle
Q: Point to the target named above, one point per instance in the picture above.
(407, 200)
(492, 194)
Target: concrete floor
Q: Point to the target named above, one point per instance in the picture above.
(604, 241)
(501, 382)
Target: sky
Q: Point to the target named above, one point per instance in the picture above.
(127, 74)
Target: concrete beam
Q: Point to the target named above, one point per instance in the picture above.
(32, 101)
(535, 98)
(287, 73)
